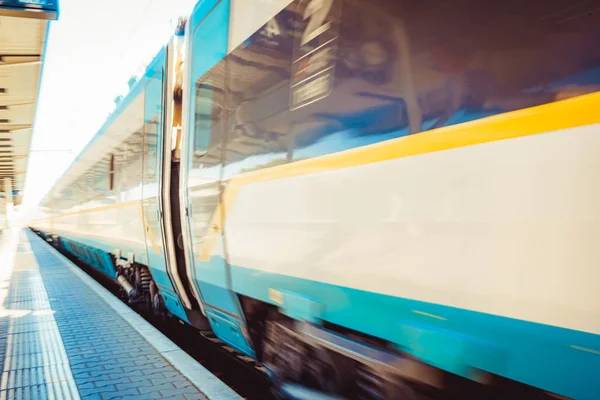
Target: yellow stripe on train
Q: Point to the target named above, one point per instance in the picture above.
(569, 113)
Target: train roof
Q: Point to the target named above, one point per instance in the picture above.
(107, 137)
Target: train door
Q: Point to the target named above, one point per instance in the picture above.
(201, 186)
(151, 204)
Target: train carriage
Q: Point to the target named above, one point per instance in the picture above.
(345, 189)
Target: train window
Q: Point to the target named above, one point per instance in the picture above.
(151, 147)
(129, 164)
(100, 182)
(261, 125)
(102, 173)
(153, 97)
(472, 59)
(208, 115)
(68, 194)
(203, 118)
(209, 47)
(302, 92)
(79, 187)
(383, 69)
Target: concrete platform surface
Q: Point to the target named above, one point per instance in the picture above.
(63, 336)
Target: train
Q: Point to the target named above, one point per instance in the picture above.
(383, 199)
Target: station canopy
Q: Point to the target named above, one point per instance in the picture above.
(23, 33)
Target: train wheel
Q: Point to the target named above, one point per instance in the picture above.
(297, 367)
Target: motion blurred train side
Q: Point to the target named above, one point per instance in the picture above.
(375, 199)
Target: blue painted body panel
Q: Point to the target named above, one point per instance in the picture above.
(211, 281)
(561, 360)
(228, 329)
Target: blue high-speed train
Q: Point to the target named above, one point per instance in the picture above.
(371, 198)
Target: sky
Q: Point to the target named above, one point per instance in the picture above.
(92, 51)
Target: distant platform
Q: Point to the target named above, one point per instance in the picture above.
(64, 336)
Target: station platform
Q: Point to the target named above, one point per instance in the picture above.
(64, 336)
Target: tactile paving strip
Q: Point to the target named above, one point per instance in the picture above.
(109, 358)
(35, 365)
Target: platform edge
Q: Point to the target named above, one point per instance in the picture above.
(207, 383)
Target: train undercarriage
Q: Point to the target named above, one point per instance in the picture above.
(139, 287)
(324, 361)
